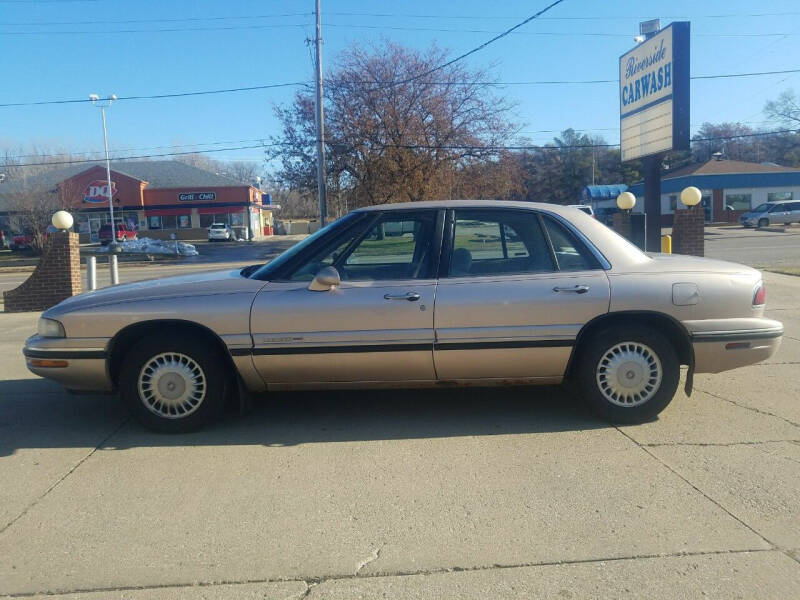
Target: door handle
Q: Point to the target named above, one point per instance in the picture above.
(576, 289)
(410, 296)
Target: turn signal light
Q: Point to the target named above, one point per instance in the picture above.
(52, 364)
(760, 297)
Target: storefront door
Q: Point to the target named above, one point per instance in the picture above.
(94, 228)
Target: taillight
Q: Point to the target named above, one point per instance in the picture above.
(760, 297)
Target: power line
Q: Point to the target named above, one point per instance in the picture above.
(304, 84)
(159, 96)
(162, 30)
(334, 25)
(124, 158)
(404, 146)
(374, 15)
(159, 20)
(246, 141)
(139, 149)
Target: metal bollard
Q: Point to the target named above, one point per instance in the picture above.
(91, 273)
(114, 268)
(666, 244)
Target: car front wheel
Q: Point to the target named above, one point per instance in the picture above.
(628, 374)
(763, 222)
(173, 386)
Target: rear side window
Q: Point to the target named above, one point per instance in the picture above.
(487, 242)
(569, 253)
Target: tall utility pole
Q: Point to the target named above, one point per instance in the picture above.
(320, 121)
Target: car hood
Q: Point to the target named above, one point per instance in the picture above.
(683, 263)
(197, 284)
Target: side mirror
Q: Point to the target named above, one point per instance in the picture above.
(325, 279)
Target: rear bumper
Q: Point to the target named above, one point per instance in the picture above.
(82, 367)
(745, 342)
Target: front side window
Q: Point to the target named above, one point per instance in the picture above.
(570, 254)
(397, 246)
(487, 242)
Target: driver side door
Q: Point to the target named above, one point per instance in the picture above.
(375, 326)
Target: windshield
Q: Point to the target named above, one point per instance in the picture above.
(761, 208)
(265, 271)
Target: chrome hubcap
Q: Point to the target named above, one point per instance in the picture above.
(629, 374)
(172, 385)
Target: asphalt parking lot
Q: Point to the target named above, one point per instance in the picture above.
(495, 493)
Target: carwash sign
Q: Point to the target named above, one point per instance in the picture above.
(654, 94)
(97, 191)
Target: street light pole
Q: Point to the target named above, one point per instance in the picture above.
(96, 101)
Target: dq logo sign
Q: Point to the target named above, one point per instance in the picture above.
(97, 191)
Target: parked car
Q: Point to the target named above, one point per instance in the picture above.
(219, 231)
(526, 293)
(24, 240)
(772, 213)
(122, 232)
(583, 207)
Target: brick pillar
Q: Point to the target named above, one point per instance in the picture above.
(57, 277)
(687, 231)
(622, 223)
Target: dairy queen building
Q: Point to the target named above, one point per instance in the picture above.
(156, 198)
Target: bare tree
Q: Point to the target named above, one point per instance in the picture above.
(242, 170)
(394, 130)
(201, 161)
(785, 109)
(29, 202)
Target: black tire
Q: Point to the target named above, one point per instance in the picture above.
(207, 358)
(763, 222)
(643, 341)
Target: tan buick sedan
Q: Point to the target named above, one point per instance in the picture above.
(422, 294)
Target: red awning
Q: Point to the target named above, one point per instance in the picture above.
(219, 210)
(164, 212)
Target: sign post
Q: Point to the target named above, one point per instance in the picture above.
(654, 111)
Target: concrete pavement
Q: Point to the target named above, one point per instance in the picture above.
(511, 493)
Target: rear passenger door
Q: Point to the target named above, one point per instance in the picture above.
(794, 212)
(515, 288)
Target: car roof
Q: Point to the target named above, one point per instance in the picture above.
(444, 204)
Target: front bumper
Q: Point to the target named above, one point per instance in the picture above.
(82, 363)
(721, 345)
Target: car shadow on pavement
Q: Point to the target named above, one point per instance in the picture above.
(35, 413)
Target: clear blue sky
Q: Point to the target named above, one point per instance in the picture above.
(256, 49)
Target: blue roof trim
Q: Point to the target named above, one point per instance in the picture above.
(726, 181)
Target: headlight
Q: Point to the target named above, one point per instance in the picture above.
(50, 328)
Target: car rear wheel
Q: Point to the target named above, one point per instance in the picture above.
(628, 374)
(173, 386)
(763, 222)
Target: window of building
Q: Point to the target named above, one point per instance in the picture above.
(154, 222)
(207, 220)
(235, 219)
(738, 201)
(184, 221)
(776, 196)
(673, 202)
(169, 222)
